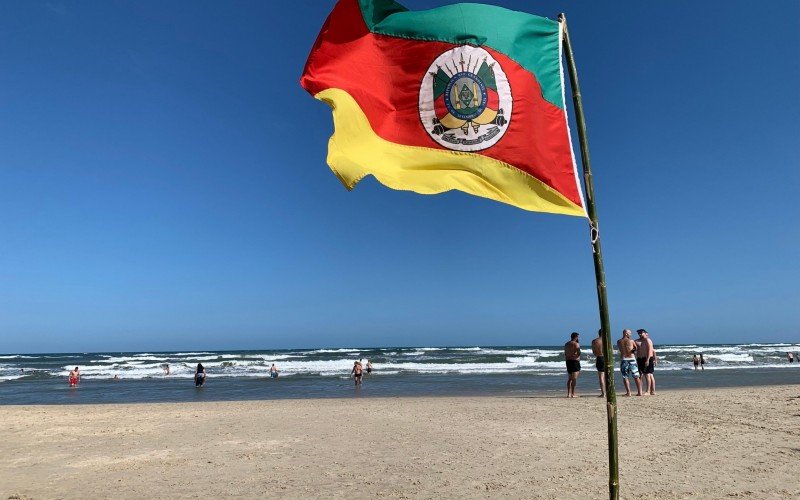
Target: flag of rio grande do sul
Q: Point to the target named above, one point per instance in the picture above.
(467, 97)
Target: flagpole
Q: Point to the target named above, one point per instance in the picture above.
(599, 273)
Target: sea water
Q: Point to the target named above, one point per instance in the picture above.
(117, 377)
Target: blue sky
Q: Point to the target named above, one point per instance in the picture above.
(163, 186)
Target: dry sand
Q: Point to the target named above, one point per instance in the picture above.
(702, 443)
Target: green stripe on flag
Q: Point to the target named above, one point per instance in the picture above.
(531, 41)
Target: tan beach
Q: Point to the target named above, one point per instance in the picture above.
(678, 444)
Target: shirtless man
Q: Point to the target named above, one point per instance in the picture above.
(357, 372)
(600, 363)
(74, 377)
(647, 353)
(572, 353)
(627, 350)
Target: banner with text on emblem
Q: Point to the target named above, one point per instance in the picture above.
(467, 97)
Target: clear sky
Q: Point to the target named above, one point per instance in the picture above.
(163, 186)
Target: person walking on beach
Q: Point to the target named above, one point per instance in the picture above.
(199, 375)
(273, 371)
(696, 362)
(600, 362)
(627, 351)
(702, 363)
(357, 372)
(572, 353)
(645, 351)
(74, 377)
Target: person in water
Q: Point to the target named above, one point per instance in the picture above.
(696, 362)
(600, 362)
(74, 377)
(165, 366)
(357, 372)
(199, 375)
(702, 362)
(572, 353)
(790, 357)
(369, 367)
(273, 371)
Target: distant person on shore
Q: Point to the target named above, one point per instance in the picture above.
(600, 362)
(74, 377)
(572, 353)
(369, 367)
(790, 357)
(165, 366)
(199, 375)
(273, 371)
(696, 362)
(357, 372)
(702, 362)
(627, 351)
(646, 361)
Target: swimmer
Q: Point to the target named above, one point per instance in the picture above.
(273, 371)
(357, 372)
(199, 375)
(74, 377)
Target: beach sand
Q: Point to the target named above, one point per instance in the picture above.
(701, 443)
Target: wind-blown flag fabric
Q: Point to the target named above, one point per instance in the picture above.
(466, 96)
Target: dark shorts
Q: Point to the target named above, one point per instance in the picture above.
(600, 364)
(573, 365)
(650, 366)
(641, 364)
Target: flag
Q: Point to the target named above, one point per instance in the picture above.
(467, 97)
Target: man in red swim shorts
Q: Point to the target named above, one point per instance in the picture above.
(74, 377)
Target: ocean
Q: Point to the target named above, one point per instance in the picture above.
(128, 377)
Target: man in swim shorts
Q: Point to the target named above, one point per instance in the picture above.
(572, 353)
(627, 350)
(600, 362)
(357, 372)
(647, 353)
(74, 377)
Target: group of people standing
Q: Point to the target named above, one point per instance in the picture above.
(638, 362)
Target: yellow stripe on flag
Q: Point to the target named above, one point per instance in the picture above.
(355, 151)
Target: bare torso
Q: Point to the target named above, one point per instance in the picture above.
(627, 347)
(572, 350)
(597, 346)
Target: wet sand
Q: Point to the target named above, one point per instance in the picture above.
(701, 443)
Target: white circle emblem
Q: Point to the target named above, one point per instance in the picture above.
(465, 99)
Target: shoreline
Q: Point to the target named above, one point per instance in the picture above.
(523, 446)
(181, 389)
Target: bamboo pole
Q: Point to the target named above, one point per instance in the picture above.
(599, 273)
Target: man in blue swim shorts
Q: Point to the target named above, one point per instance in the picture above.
(627, 349)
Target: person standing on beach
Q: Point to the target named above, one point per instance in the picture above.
(696, 362)
(702, 362)
(199, 375)
(627, 351)
(600, 362)
(647, 352)
(74, 377)
(273, 371)
(572, 353)
(357, 372)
